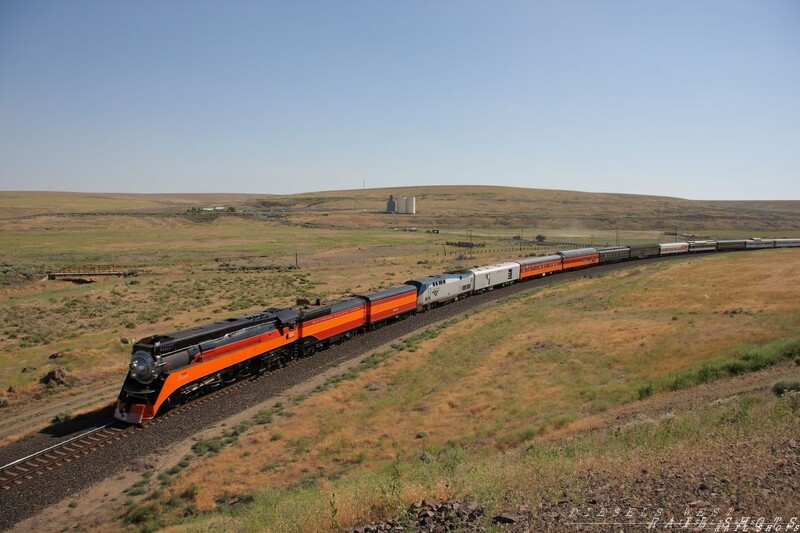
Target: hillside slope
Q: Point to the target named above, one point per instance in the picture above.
(487, 206)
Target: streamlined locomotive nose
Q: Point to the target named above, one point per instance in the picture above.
(143, 367)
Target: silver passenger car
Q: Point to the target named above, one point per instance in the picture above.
(786, 243)
(756, 243)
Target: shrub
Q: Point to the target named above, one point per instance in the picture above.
(211, 446)
(63, 416)
(528, 433)
(681, 381)
(707, 373)
(645, 391)
(175, 470)
(263, 417)
(136, 491)
(143, 515)
(189, 493)
(785, 385)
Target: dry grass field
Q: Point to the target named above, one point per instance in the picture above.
(512, 209)
(451, 412)
(194, 266)
(437, 413)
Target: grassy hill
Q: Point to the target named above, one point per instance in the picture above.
(444, 206)
(26, 203)
(514, 207)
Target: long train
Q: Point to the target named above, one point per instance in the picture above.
(169, 369)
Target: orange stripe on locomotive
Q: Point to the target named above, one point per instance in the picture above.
(234, 354)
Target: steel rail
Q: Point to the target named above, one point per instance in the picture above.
(16, 472)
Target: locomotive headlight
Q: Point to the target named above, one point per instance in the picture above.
(143, 367)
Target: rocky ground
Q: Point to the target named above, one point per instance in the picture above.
(674, 497)
(746, 482)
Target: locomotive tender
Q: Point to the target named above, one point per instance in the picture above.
(169, 369)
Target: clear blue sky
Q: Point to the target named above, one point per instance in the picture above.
(697, 99)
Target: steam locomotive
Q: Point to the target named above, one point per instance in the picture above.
(166, 370)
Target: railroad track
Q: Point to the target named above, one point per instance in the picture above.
(43, 461)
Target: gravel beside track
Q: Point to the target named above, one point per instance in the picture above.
(30, 497)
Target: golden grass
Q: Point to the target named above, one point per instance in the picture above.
(443, 207)
(28, 202)
(514, 373)
(180, 262)
(510, 389)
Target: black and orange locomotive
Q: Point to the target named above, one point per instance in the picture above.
(168, 369)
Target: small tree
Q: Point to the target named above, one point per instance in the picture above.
(540, 238)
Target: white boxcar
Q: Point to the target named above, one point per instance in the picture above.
(674, 248)
(491, 276)
(435, 290)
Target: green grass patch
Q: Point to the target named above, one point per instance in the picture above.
(215, 444)
(742, 360)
